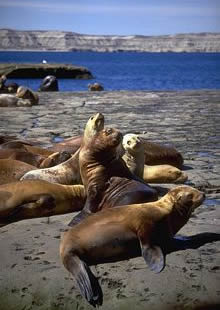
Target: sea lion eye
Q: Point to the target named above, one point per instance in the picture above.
(91, 118)
(108, 131)
(129, 142)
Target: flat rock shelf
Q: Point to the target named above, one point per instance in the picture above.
(28, 71)
(31, 273)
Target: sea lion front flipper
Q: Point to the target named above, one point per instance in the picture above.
(85, 279)
(79, 217)
(152, 255)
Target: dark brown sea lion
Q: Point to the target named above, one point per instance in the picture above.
(125, 232)
(134, 157)
(68, 172)
(36, 198)
(49, 83)
(99, 164)
(158, 154)
(12, 170)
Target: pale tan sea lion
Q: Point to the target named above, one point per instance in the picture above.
(27, 93)
(125, 232)
(68, 172)
(36, 198)
(135, 157)
(12, 170)
(9, 100)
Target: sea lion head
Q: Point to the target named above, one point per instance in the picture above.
(93, 126)
(108, 138)
(185, 200)
(132, 143)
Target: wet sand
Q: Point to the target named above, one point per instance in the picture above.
(31, 273)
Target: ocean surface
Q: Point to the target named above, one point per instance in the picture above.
(129, 70)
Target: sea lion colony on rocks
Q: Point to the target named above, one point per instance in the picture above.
(136, 221)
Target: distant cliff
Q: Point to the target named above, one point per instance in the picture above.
(70, 41)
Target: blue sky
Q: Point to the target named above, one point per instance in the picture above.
(121, 17)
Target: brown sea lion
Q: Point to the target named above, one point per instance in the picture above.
(12, 170)
(36, 198)
(95, 87)
(70, 145)
(158, 154)
(101, 168)
(26, 93)
(134, 157)
(125, 232)
(68, 172)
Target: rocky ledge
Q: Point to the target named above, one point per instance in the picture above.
(23, 71)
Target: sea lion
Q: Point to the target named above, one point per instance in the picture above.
(95, 87)
(158, 154)
(26, 146)
(9, 100)
(36, 198)
(68, 172)
(70, 145)
(12, 170)
(99, 164)
(37, 160)
(49, 83)
(125, 232)
(27, 93)
(135, 157)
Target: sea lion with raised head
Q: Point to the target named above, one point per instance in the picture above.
(36, 198)
(135, 157)
(49, 83)
(102, 173)
(12, 170)
(95, 87)
(125, 232)
(68, 172)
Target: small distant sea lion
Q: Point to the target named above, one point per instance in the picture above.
(49, 83)
(125, 232)
(9, 100)
(36, 198)
(9, 87)
(99, 164)
(28, 94)
(134, 157)
(12, 170)
(95, 87)
(68, 172)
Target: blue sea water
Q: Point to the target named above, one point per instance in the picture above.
(129, 70)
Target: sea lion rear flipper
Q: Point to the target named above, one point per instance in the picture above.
(152, 255)
(86, 281)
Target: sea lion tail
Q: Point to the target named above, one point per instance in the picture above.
(85, 279)
(78, 218)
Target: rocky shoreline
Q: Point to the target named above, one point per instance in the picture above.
(31, 273)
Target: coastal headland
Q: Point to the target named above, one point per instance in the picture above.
(31, 273)
(17, 40)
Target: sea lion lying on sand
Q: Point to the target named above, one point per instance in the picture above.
(134, 157)
(125, 232)
(36, 198)
(12, 170)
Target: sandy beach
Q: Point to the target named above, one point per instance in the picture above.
(31, 273)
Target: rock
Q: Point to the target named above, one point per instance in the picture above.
(27, 71)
